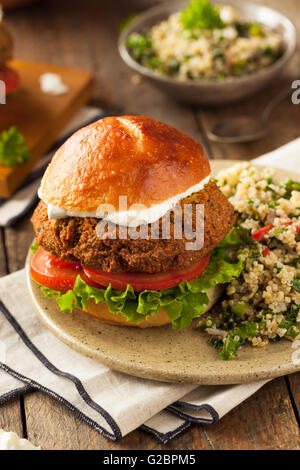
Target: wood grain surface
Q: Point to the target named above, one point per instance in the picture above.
(83, 34)
(40, 116)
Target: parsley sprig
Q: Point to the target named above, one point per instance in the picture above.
(13, 148)
(201, 14)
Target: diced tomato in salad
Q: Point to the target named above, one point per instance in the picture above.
(265, 252)
(259, 234)
(286, 224)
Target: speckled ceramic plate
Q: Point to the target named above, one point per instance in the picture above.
(161, 353)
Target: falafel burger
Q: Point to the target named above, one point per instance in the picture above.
(131, 228)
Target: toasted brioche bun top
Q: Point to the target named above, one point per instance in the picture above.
(133, 156)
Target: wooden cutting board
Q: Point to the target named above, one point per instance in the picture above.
(39, 116)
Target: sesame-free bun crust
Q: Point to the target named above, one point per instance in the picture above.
(132, 156)
(101, 312)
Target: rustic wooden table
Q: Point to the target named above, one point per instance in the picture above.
(84, 34)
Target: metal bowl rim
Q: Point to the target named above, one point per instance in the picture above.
(266, 73)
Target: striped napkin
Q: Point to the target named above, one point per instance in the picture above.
(113, 403)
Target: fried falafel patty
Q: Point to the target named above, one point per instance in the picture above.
(75, 239)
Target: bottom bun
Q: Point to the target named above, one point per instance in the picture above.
(100, 312)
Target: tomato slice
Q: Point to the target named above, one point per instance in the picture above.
(56, 273)
(142, 281)
(10, 77)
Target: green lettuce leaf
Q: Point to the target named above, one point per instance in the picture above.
(34, 247)
(182, 303)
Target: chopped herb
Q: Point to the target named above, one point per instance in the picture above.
(277, 268)
(255, 29)
(280, 230)
(207, 323)
(174, 67)
(153, 62)
(13, 148)
(272, 204)
(138, 44)
(291, 328)
(261, 319)
(293, 262)
(268, 188)
(218, 54)
(275, 339)
(255, 253)
(293, 313)
(240, 308)
(296, 285)
(290, 186)
(236, 338)
(268, 51)
(215, 342)
(238, 65)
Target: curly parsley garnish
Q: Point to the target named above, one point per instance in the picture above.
(201, 14)
(13, 148)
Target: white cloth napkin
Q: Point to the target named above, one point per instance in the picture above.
(286, 157)
(112, 402)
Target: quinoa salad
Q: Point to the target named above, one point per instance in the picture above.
(263, 304)
(205, 41)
